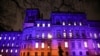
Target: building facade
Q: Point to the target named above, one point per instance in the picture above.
(65, 33)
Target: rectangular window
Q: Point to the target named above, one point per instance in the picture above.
(70, 34)
(98, 45)
(85, 44)
(42, 53)
(42, 45)
(66, 44)
(36, 54)
(36, 45)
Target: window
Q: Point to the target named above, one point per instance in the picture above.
(49, 36)
(79, 44)
(6, 50)
(85, 44)
(49, 54)
(37, 36)
(3, 45)
(12, 44)
(66, 53)
(64, 34)
(70, 34)
(42, 53)
(9, 38)
(36, 45)
(87, 53)
(98, 45)
(38, 25)
(73, 44)
(28, 54)
(80, 53)
(74, 23)
(42, 45)
(13, 38)
(5, 38)
(80, 23)
(0, 38)
(0, 54)
(48, 24)
(7, 44)
(66, 44)
(1, 50)
(93, 45)
(69, 24)
(43, 25)
(63, 23)
(95, 35)
(74, 53)
(16, 51)
(90, 34)
(43, 35)
(11, 50)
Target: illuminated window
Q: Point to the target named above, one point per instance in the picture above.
(37, 36)
(49, 36)
(69, 24)
(42, 45)
(3, 45)
(90, 34)
(80, 23)
(43, 35)
(43, 25)
(70, 34)
(95, 35)
(66, 44)
(9, 38)
(1, 50)
(63, 23)
(64, 34)
(48, 24)
(16, 51)
(8, 44)
(74, 23)
(11, 50)
(98, 45)
(38, 25)
(6, 50)
(36, 45)
(93, 45)
(12, 44)
(13, 38)
(0, 54)
(85, 44)
(5, 38)
(0, 38)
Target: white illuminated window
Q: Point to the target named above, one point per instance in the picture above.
(74, 23)
(49, 36)
(63, 23)
(85, 44)
(95, 35)
(38, 25)
(16, 51)
(70, 34)
(13, 38)
(43, 25)
(0, 38)
(69, 24)
(48, 46)
(43, 35)
(80, 23)
(0, 54)
(98, 45)
(2, 50)
(6, 50)
(36, 45)
(12, 44)
(48, 24)
(66, 44)
(11, 50)
(9, 38)
(64, 34)
(42, 45)
(5, 38)
(8, 44)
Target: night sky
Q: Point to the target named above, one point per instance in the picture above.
(12, 11)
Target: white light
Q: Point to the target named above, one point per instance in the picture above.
(74, 23)
(12, 44)
(63, 23)
(11, 50)
(2, 50)
(0, 38)
(16, 51)
(69, 24)
(6, 50)
(48, 46)
(0, 54)
(36, 45)
(5, 38)
(66, 44)
(9, 38)
(49, 36)
(38, 25)
(80, 24)
(64, 34)
(95, 35)
(13, 38)
(43, 25)
(85, 44)
(43, 35)
(42, 45)
(70, 34)
(48, 24)
(98, 45)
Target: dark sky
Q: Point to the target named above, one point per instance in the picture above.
(12, 11)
